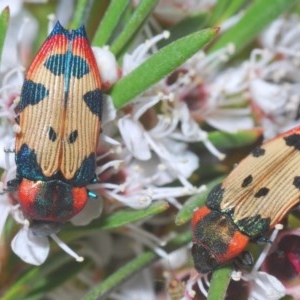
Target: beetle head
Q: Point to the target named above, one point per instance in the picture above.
(204, 260)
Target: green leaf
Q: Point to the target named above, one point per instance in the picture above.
(226, 140)
(20, 287)
(231, 9)
(260, 14)
(159, 65)
(38, 280)
(109, 22)
(219, 284)
(58, 277)
(118, 277)
(115, 220)
(223, 10)
(81, 13)
(127, 216)
(186, 212)
(217, 12)
(4, 19)
(138, 18)
(127, 271)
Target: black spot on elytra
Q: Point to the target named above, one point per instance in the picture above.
(293, 141)
(258, 151)
(296, 182)
(93, 100)
(32, 93)
(262, 192)
(57, 64)
(247, 181)
(52, 134)
(73, 136)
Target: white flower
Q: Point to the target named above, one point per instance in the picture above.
(153, 160)
(264, 286)
(210, 94)
(91, 211)
(140, 53)
(19, 38)
(5, 210)
(274, 83)
(107, 65)
(154, 152)
(143, 143)
(31, 249)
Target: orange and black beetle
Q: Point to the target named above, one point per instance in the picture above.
(251, 200)
(59, 118)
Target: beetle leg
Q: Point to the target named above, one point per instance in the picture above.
(245, 259)
(263, 240)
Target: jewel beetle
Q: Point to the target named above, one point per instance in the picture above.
(254, 197)
(59, 115)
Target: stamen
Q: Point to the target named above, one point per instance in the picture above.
(26, 223)
(236, 275)
(266, 250)
(205, 279)
(19, 71)
(189, 286)
(174, 202)
(145, 105)
(67, 249)
(144, 48)
(149, 240)
(114, 163)
(186, 183)
(201, 287)
(135, 201)
(147, 235)
(213, 150)
(109, 140)
(104, 155)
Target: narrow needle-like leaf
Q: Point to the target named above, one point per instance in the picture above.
(109, 22)
(4, 18)
(159, 65)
